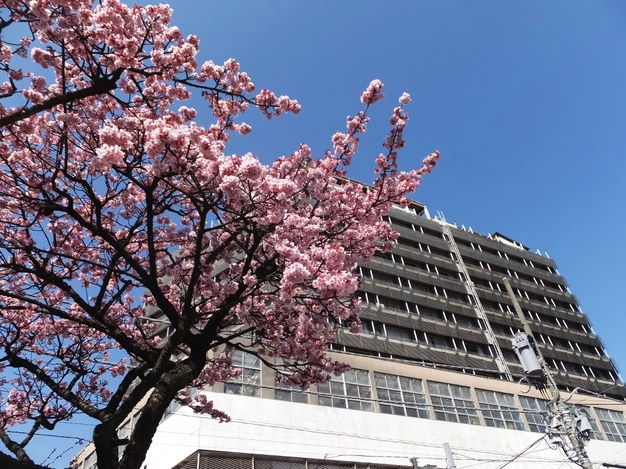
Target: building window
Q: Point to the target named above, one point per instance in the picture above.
(366, 326)
(491, 305)
(384, 255)
(401, 396)
(410, 243)
(470, 261)
(442, 342)
(589, 349)
(429, 232)
(407, 261)
(510, 356)
(400, 333)
(499, 410)
(423, 288)
(350, 390)
(553, 321)
(552, 364)
(462, 242)
(435, 314)
(500, 270)
(595, 434)
(479, 282)
(362, 295)
(283, 392)
(448, 273)
(456, 296)
(493, 252)
(464, 321)
(481, 350)
(536, 413)
(613, 423)
(502, 330)
(439, 252)
(453, 403)
(248, 383)
(402, 223)
(372, 327)
(392, 304)
(125, 431)
(602, 374)
(91, 461)
(387, 279)
(405, 282)
(574, 368)
(366, 273)
(290, 393)
(561, 343)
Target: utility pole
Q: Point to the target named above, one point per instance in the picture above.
(450, 464)
(571, 425)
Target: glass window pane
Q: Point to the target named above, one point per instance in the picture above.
(381, 380)
(250, 376)
(499, 410)
(396, 390)
(613, 424)
(363, 377)
(251, 361)
(337, 388)
(385, 409)
(348, 385)
(453, 403)
(536, 413)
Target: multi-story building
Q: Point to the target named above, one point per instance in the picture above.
(432, 364)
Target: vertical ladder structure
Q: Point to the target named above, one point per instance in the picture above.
(469, 285)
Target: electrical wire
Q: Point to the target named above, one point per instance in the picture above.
(69, 437)
(521, 453)
(60, 455)
(600, 395)
(424, 406)
(499, 457)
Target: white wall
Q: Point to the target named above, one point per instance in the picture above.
(270, 427)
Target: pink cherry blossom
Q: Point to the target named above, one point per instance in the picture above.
(128, 229)
(373, 93)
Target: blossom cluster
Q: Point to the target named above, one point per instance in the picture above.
(125, 225)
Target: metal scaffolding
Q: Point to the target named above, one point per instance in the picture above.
(471, 290)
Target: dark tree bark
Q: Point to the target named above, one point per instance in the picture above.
(8, 462)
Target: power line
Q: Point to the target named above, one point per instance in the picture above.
(81, 439)
(521, 453)
(500, 456)
(60, 455)
(600, 395)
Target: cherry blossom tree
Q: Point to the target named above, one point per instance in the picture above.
(126, 230)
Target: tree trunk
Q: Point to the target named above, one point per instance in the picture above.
(9, 462)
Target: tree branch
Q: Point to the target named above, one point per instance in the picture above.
(15, 448)
(101, 87)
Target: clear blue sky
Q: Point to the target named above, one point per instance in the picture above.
(525, 100)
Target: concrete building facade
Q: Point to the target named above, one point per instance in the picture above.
(433, 364)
